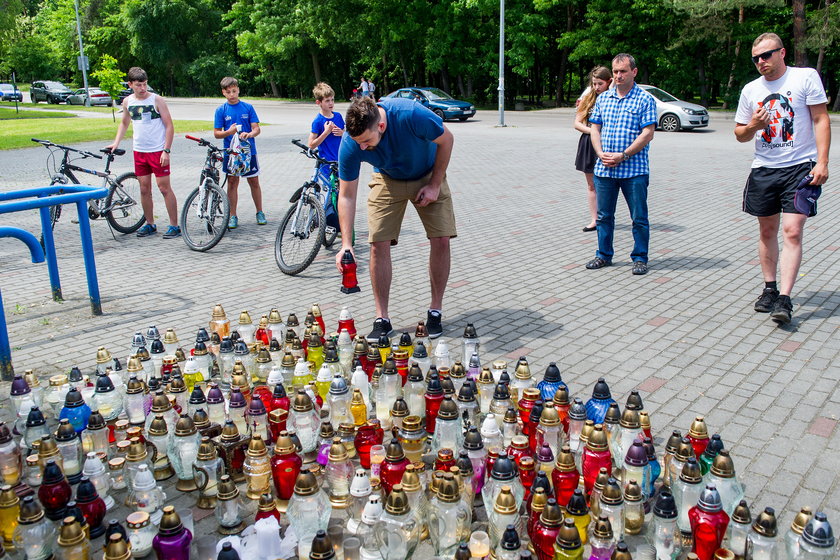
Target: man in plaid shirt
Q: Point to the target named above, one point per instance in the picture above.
(623, 121)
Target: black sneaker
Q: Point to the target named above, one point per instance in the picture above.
(782, 310)
(380, 327)
(766, 300)
(433, 325)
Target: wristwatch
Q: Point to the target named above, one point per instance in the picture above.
(624, 156)
(167, 150)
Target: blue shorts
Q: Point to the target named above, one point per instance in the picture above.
(253, 172)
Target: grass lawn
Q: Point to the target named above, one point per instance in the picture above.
(6, 113)
(17, 133)
(66, 107)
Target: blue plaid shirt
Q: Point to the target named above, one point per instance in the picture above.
(622, 120)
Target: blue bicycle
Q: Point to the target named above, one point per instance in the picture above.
(305, 226)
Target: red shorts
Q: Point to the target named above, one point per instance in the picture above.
(147, 163)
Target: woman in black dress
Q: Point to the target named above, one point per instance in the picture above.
(599, 80)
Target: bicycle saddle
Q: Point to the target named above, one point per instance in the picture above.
(117, 152)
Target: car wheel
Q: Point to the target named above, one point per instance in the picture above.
(439, 113)
(462, 119)
(670, 123)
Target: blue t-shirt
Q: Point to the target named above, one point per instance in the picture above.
(328, 149)
(406, 150)
(241, 113)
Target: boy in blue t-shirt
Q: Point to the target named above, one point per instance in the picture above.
(232, 117)
(327, 127)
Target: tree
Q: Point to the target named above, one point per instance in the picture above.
(110, 78)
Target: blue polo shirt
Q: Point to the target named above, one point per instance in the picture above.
(407, 149)
(622, 120)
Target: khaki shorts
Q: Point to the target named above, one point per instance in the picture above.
(386, 208)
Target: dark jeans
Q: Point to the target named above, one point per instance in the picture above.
(634, 190)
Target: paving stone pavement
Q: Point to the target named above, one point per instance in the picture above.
(685, 335)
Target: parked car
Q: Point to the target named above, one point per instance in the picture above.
(444, 105)
(51, 92)
(97, 97)
(673, 114)
(8, 92)
(127, 91)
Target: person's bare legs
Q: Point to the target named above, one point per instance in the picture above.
(591, 199)
(439, 259)
(792, 227)
(380, 275)
(165, 188)
(233, 192)
(256, 192)
(768, 246)
(146, 198)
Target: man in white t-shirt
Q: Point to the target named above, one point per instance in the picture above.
(784, 112)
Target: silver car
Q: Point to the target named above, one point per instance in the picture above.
(673, 114)
(97, 97)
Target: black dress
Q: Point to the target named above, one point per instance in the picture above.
(585, 158)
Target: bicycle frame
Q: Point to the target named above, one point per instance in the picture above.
(66, 169)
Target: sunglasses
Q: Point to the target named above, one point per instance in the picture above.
(764, 55)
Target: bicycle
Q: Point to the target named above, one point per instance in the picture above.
(204, 217)
(121, 206)
(304, 228)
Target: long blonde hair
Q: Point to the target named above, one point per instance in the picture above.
(588, 101)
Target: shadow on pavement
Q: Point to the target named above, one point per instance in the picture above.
(506, 326)
(690, 263)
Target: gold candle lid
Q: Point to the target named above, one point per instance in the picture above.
(227, 488)
(799, 522)
(185, 426)
(58, 380)
(565, 460)
(206, 450)
(611, 494)
(219, 312)
(169, 337)
(505, 502)
(486, 377)
(8, 498)
(602, 528)
(630, 419)
(723, 466)
(632, 492)
(230, 433)
(306, 483)
(102, 355)
(337, 451)
(411, 480)
(724, 554)
(691, 472)
(71, 532)
(244, 318)
(266, 503)
(158, 426)
(256, 447)
(568, 538)
(137, 450)
(134, 364)
(412, 423)
(117, 548)
(30, 511)
(549, 416)
(538, 499)
(597, 439)
(116, 463)
(552, 515)
(586, 431)
(397, 502)
(284, 444)
(160, 403)
(698, 428)
(302, 402)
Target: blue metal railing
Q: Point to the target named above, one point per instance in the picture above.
(42, 198)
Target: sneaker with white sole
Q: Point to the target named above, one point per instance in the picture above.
(380, 327)
(433, 324)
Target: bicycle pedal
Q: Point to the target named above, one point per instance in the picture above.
(329, 230)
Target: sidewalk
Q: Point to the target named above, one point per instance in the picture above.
(685, 335)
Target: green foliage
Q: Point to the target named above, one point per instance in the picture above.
(694, 48)
(109, 75)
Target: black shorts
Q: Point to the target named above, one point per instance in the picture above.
(770, 190)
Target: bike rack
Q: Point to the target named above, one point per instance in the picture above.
(42, 198)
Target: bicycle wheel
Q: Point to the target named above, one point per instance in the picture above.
(204, 218)
(300, 235)
(125, 212)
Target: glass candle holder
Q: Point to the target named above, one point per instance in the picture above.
(141, 532)
(116, 469)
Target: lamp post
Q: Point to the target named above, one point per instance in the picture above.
(502, 63)
(83, 62)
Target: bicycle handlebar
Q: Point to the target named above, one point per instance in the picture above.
(312, 153)
(203, 142)
(48, 144)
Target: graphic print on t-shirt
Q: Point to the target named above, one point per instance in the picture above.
(138, 112)
(780, 130)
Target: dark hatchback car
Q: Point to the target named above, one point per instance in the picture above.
(8, 92)
(51, 92)
(126, 91)
(441, 103)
